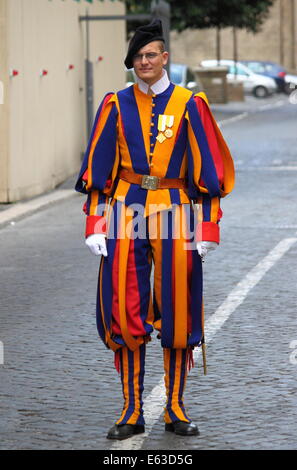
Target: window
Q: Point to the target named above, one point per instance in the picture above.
(256, 67)
(176, 73)
(240, 70)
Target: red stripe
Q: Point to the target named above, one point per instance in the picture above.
(134, 322)
(95, 224)
(106, 100)
(208, 231)
(85, 176)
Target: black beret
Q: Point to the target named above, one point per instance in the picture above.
(142, 36)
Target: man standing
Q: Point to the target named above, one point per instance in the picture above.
(154, 154)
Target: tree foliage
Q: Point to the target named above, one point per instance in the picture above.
(197, 14)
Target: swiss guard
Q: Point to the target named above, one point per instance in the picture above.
(154, 171)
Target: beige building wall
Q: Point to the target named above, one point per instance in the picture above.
(4, 100)
(45, 131)
(274, 42)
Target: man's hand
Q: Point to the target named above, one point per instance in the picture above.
(204, 247)
(97, 244)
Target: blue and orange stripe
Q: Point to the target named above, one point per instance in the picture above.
(132, 126)
(175, 302)
(132, 367)
(206, 171)
(126, 310)
(103, 131)
(175, 366)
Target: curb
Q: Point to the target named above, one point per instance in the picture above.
(23, 209)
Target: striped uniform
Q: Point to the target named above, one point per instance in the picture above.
(126, 135)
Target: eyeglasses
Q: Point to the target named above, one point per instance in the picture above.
(150, 56)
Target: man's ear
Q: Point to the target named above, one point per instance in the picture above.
(165, 57)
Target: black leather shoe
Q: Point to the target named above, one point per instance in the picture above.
(182, 428)
(123, 431)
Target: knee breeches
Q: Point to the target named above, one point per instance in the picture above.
(158, 248)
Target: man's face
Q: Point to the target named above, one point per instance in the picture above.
(148, 69)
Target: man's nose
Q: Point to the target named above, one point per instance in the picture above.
(144, 59)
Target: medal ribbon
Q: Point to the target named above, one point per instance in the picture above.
(165, 121)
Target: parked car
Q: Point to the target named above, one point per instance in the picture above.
(259, 85)
(180, 74)
(269, 69)
(291, 83)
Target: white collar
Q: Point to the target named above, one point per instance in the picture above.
(158, 87)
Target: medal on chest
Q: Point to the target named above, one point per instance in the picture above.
(165, 122)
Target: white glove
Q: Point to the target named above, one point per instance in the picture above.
(97, 244)
(204, 247)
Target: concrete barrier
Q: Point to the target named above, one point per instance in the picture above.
(235, 90)
(214, 82)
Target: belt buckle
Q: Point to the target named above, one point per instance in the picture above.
(150, 182)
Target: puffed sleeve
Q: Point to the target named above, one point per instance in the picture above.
(210, 167)
(99, 165)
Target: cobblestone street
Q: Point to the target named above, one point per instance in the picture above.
(58, 386)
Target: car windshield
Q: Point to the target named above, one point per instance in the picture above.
(240, 70)
(176, 73)
(271, 68)
(256, 67)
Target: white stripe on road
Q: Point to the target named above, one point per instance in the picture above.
(279, 168)
(239, 293)
(241, 167)
(277, 104)
(155, 402)
(238, 117)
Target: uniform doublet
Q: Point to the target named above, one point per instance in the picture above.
(126, 135)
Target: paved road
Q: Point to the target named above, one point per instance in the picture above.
(57, 388)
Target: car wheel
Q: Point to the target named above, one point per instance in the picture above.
(260, 92)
